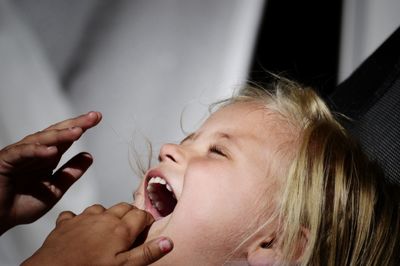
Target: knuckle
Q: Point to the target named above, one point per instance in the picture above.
(60, 222)
(4, 166)
(147, 254)
(142, 217)
(139, 215)
(140, 212)
(124, 205)
(94, 208)
(63, 213)
(63, 217)
(97, 206)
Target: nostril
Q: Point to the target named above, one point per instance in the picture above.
(170, 152)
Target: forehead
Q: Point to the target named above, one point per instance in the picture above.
(245, 119)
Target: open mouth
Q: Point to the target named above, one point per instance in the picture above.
(161, 198)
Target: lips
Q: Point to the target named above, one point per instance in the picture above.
(160, 199)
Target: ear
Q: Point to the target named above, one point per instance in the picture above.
(268, 251)
(265, 252)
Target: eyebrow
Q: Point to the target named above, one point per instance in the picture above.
(230, 138)
(222, 135)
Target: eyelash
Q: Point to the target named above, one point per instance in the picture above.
(217, 150)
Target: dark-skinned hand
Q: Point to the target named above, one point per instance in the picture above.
(29, 187)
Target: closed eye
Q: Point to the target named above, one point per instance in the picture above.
(217, 150)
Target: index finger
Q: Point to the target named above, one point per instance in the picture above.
(137, 220)
(85, 121)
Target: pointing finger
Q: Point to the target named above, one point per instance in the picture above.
(85, 121)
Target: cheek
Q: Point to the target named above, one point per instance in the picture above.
(218, 202)
(205, 192)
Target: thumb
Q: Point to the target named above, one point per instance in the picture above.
(149, 252)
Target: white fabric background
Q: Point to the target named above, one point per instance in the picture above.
(147, 62)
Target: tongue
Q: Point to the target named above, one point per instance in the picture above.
(166, 200)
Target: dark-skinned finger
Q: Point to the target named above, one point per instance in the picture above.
(120, 209)
(62, 139)
(148, 252)
(85, 121)
(38, 166)
(52, 189)
(94, 209)
(64, 216)
(70, 172)
(54, 137)
(136, 221)
(16, 155)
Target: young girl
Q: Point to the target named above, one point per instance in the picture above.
(270, 178)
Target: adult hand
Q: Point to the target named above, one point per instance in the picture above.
(100, 236)
(28, 186)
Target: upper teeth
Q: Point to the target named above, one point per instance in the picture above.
(154, 198)
(159, 180)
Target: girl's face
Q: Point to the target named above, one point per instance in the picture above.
(223, 182)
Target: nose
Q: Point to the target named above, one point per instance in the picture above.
(171, 152)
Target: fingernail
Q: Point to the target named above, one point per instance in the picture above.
(87, 155)
(93, 114)
(165, 245)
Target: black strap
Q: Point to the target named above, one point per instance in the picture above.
(371, 98)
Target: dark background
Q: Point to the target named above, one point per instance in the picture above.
(299, 39)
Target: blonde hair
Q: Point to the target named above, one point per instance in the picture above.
(333, 196)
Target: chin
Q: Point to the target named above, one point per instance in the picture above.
(159, 228)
